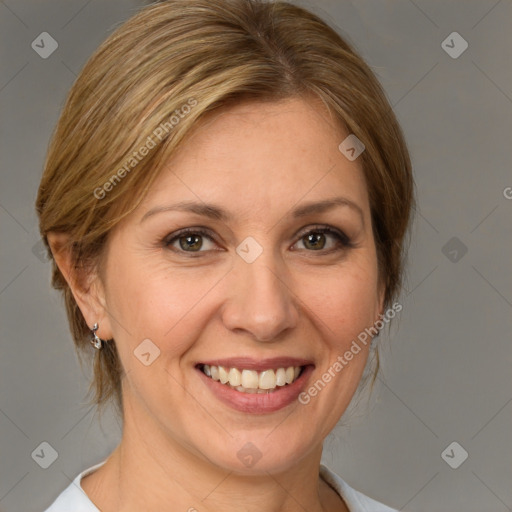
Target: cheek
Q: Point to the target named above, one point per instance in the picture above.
(343, 303)
(148, 300)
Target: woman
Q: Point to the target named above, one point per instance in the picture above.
(226, 199)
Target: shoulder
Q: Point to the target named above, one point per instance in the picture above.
(356, 501)
(73, 497)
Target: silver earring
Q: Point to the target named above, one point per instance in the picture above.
(95, 340)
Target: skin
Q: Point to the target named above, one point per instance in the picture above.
(179, 444)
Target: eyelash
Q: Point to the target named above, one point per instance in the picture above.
(341, 238)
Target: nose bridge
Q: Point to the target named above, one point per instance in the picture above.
(260, 301)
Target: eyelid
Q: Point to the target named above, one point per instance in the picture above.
(199, 230)
(344, 239)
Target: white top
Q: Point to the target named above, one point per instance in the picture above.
(74, 499)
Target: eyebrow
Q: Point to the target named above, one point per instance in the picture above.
(217, 213)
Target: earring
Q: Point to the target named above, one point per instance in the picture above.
(95, 340)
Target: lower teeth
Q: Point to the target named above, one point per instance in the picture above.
(252, 391)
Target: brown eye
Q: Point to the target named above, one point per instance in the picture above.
(191, 242)
(324, 239)
(314, 241)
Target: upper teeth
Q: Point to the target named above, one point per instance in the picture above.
(251, 379)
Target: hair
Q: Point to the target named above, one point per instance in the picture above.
(155, 78)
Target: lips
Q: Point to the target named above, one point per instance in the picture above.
(256, 386)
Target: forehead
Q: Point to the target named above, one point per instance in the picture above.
(260, 158)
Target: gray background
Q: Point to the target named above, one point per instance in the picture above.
(447, 368)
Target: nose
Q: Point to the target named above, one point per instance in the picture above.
(260, 301)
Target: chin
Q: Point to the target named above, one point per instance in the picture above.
(272, 450)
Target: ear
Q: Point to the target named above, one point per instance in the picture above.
(85, 284)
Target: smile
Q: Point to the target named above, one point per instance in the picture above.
(252, 381)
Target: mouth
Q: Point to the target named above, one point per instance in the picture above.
(256, 386)
(246, 380)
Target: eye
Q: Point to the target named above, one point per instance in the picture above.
(197, 240)
(190, 240)
(324, 239)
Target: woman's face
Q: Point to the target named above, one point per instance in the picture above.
(277, 270)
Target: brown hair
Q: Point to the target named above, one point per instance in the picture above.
(205, 54)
